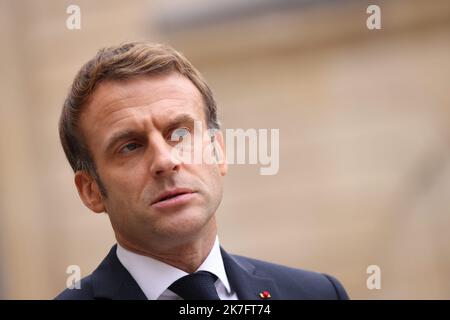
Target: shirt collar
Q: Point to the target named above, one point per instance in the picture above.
(214, 264)
(154, 276)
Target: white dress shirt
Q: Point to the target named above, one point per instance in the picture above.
(154, 276)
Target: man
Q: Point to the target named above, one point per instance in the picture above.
(117, 129)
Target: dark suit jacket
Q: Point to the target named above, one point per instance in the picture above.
(248, 277)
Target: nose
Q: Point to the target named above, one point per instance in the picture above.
(163, 163)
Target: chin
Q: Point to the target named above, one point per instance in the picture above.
(186, 223)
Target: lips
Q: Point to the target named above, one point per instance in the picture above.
(172, 194)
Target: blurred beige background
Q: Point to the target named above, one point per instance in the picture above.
(363, 115)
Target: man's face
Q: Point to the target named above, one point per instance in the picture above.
(127, 126)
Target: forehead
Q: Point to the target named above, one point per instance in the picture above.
(138, 102)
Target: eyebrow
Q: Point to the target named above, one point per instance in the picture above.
(180, 119)
(130, 133)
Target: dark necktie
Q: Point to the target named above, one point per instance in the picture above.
(196, 286)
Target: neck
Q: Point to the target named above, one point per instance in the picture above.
(186, 255)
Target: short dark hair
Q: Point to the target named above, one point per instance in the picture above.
(121, 62)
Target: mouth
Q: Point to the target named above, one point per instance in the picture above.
(173, 197)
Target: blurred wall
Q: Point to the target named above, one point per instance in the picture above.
(363, 115)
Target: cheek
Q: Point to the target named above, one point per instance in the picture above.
(124, 188)
(128, 178)
(212, 181)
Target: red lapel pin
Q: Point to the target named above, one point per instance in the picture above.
(265, 295)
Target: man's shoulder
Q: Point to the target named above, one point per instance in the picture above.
(110, 280)
(310, 284)
(81, 291)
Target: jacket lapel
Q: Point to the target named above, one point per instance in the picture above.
(243, 279)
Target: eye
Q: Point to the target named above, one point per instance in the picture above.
(129, 147)
(179, 133)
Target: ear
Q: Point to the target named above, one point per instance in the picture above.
(89, 191)
(219, 149)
